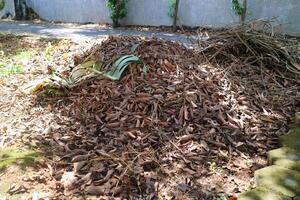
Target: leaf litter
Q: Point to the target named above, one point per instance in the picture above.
(184, 129)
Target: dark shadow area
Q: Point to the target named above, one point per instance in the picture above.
(21, 43)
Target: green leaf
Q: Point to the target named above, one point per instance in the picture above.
(121, 65)
(134, 47)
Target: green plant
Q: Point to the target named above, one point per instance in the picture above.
(23, 55)
(2, 4)
(171, 10)
(237, 7)
(121, 64)
(49, 51)
(222, 198)
(6, 70)
(91, 69)
(117, 10)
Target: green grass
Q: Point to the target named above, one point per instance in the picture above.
(23, 55)
(6, 70)
(49, 51)
(13, 155)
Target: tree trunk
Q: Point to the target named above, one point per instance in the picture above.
(175, 15)
(244, 14)
(20, 9)
(117, 11)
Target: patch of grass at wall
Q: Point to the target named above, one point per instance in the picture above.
(13, 155)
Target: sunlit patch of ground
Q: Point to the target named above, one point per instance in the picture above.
(19, 173)
(22, 167)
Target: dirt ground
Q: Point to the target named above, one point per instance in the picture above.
(44, 128)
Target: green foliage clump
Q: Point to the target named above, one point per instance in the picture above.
(172, 4)
(2, 4)
(117, 10)
(237, 7)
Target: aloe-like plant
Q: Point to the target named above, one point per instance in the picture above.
(90, 69)
(121, 64)
(118, 68)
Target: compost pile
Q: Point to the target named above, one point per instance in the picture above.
(130, 137)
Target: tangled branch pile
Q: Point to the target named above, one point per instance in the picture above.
(129, 137)
(253, 48)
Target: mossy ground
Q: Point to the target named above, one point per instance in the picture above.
(281, 180)
(15, 163)
(15, 155)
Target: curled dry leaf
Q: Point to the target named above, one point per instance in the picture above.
(204, 145)
(79, 158)
(79, 165)
(186, 138)
(96, 190)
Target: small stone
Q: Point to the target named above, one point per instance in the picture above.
(262, 194)
(279, 179)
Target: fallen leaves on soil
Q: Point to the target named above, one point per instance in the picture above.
(131, 137)
(188, 129)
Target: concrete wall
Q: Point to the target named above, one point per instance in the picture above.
(81, 11)
(211, 13)
(8, 8)
(287, 13)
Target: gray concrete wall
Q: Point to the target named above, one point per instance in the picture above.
(81, 11)
(208, 13)
(287, 13)
(8, 8)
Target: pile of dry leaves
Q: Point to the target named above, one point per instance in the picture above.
(171, 131)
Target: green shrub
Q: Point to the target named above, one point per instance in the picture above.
(237, 7)
(117, 10)
(2, 4)
(171, 9)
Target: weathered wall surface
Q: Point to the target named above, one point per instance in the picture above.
(8, 8)
(212, 13)
(287, 13)
(81, 11)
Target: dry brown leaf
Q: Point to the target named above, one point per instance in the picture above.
(186, 138)
(79, 158)
(95, 190)
(79, 165)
